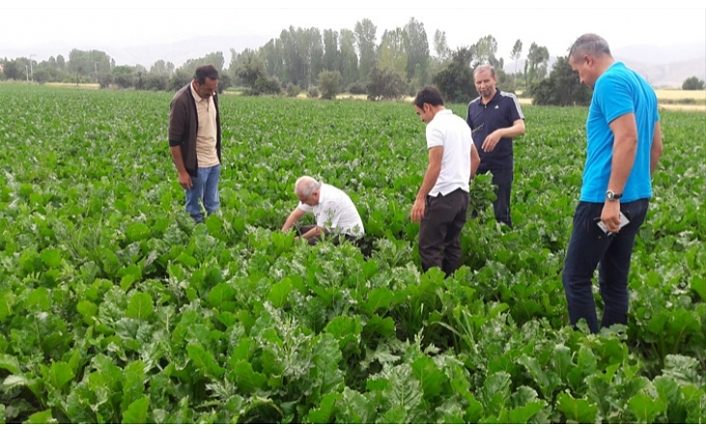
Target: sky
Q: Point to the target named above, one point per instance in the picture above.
(26, 26)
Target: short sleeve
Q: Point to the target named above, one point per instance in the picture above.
(514, 109)
(304, 207)
(613, 97)
(435, 137)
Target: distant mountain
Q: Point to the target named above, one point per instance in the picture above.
(146, 55)
(180, 52)
(662, 66)
(670, 75)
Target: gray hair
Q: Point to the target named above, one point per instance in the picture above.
(483, 67)
(305, 186)
(591, 44)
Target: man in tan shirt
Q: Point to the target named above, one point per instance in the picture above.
(195, 141)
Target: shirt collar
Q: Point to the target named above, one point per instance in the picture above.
(495, 98)
(197, 98)
(322, 194)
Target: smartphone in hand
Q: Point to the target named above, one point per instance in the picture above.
(623, 221)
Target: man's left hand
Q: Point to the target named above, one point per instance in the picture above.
(491, 141)
(418, 209)
(611, 215)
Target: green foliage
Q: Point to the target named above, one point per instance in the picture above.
(116, 308)
(329, 84)
(561, 88)
(385, 84)
(455, 81)
(692, 83)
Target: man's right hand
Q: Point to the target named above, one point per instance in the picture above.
(185, 180)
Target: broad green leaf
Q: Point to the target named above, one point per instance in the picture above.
(38, 299)
(43, 417)
(496, 391)
(346, 329)
(60, 373)
(220, 295)
(204, 361)
(129, 276)
(133, 383)
(245, 377)
(140, 306)
(14, 380)
(87, 309)
(381, 326)
(429, 375)
(523, 414)
(646, 408)
(325, 410)
(51, 257)
(576, 410)
(137, 231)
(279, 292)
(378, 299)
(136, 413)
(7, 301)
(9, 363)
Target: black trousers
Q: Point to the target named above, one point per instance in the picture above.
(440, 231)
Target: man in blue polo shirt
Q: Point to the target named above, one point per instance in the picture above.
(623, 149)
(495, 117)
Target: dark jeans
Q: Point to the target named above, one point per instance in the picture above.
(440, 231)
(502, 180)
(589, 247)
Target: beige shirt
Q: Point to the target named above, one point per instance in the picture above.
(206, 138)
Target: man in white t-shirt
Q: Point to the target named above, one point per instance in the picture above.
(333, 210)
(442, 200)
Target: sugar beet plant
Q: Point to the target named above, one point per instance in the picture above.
(116, 308)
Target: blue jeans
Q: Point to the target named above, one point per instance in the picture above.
(589, 247)
(204, 188)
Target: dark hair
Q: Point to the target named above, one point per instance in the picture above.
(203, 72)
(428, 95)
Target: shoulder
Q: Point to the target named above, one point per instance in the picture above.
(473, 103)
(617, 75)
(181, 96)
(508, 95)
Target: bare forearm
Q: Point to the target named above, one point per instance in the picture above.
(292, 219)
(430, 177)
(475, 160)
(623, 160)
(656, 150)
(177, 158)
(517, 129)
(313, 232)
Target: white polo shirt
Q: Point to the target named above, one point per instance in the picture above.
(335, 212)
(451, 132)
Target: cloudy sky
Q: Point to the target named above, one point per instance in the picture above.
(25, 26)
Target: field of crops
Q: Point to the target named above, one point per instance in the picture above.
(115, 307)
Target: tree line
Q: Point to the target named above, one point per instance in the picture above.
(326, 63)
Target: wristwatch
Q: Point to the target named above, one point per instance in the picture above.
(610, 195)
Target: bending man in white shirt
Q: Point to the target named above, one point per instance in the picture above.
(333, 210)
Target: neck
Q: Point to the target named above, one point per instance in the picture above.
(603, 63)
(489, 98)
